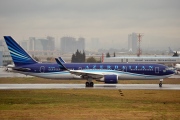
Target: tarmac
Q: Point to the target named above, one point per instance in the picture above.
(96, 86)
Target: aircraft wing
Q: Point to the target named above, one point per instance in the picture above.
(80, 72)
(87, 74)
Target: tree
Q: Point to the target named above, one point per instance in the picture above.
(108, 55)
(78, 57)
(114, 54)
(73, 58)
(49, 58)
(36, 58)
(91, 60)
(84, 56)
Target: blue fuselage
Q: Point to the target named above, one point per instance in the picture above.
(124, 71)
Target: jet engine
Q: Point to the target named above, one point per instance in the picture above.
(109, 79)
(9, 67)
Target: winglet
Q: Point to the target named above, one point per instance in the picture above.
(61, 66)
(62, 61)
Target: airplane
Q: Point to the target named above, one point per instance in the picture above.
(108, 73)
(9, 67)
(171, 51)
(177, 67)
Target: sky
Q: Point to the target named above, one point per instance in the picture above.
(108, 20)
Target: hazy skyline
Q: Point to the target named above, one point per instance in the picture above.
(108, 20)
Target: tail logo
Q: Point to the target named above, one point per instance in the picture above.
(18, 54)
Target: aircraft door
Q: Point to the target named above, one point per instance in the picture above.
(124, 68)
(156, 70)
(42, 69)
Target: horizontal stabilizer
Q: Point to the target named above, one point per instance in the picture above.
(21, 69)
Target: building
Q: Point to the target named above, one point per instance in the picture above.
(50, 43)
(38, 45)
(132, 42)
(31, 43)
(42, 48)
(80, 44)
(70, 45)
(67, 45)
(5, 57)
(1, 58)
(42, 44)
(150, 59)
(24, 44)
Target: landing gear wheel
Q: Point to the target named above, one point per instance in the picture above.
(160, 84)
(87, 84)
(91, 84)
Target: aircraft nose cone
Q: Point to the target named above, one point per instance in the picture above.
(171, 71)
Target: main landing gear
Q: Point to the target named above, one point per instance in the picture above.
(160, 82)
(89, 83)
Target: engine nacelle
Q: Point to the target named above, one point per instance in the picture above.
(9, 68)
(111, 79)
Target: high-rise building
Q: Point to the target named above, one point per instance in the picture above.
(50, 43)
(70, 45)
(24, 44)
(5, 55)
(44, 44)
(67, 44)
(132, 42)
(1, 58)
(80, 44)
(31, 43)
(38, 45)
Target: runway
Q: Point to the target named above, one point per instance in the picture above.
(96, 86)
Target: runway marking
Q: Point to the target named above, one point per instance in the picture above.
(120, 92)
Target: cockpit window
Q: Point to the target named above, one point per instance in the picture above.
(164, 70)
(167, 68)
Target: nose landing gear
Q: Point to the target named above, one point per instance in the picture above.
(160, 82)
